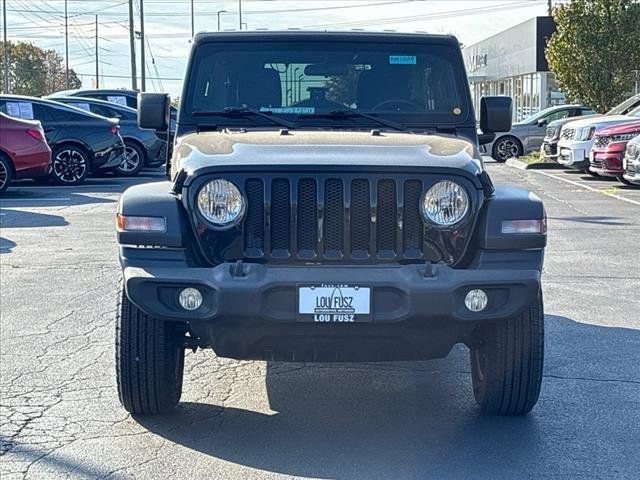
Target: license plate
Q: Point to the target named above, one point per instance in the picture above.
(334, 303)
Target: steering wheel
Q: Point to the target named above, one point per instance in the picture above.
(398, 105)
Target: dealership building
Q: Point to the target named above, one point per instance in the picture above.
(513, 63)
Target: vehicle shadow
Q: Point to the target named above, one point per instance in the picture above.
(26, 219)
(418, 419)
(599, 220)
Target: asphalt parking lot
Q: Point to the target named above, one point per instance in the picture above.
(60, 416)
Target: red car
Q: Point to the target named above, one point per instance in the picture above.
(609, 149)
(24, 152)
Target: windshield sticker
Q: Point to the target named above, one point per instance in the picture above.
(119, 99)
(402, 59)
(294, 110)
(20, 110)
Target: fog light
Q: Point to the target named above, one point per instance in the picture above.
(190, 299)
(476, 300)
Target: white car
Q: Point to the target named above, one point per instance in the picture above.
(577, 138)
(631, 162)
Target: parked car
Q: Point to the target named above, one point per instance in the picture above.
(80, 141)
(610, 145)
(24, 152)
(631, 162)
(577, 138)
(527, 136)
(142, 147)
(549, 149)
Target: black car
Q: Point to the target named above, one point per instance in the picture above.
(81, 142)
(143, 147)
(346, 216)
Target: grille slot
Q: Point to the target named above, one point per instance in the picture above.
(307, 218)
(280, 217)
(360, 218)
(333, 218)
(413, 227)
(254, 223)
(386, 219)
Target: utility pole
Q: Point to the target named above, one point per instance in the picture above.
(550, 6)
(239, 13)
(5, 46)
(132, 48)
(193, 25)
(97, 57)
(66, 46)
(143, 82)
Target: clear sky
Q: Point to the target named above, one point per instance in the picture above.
(168, 26)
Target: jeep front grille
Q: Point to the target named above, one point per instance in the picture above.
(602, 142)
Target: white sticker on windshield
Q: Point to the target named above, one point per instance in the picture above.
(402, 59)
(294, 110)
(20, 110)
(119, 99)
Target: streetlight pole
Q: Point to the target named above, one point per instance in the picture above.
(220, 12)
(240, 13)
(143, 80)
(5, 46)
(66, 46)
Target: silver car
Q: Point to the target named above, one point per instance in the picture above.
(527, 136)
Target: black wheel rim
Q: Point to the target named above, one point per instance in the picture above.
(131, 160)
(69, 166)
(507, 149)
(4, 175)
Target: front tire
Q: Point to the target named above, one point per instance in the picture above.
(69, 165)
(505, 148)
(149, 360)
(506, 367)
(6, 173)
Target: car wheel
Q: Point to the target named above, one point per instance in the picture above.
(6, 173)
(69, 165)
(132, 162)
(505, 148)
(506, 367)
(149, 360)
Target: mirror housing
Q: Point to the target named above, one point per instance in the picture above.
(542, 122)
(495, 114)
(153, 111)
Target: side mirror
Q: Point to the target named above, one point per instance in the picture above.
(153, 111)
(495, 114)
(542, 122)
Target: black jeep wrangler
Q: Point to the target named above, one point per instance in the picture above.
(327, 202)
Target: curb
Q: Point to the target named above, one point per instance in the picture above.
(515, 163)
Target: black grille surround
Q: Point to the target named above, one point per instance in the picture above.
(349, 218)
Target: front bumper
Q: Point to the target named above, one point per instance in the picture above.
(574, 154)
(250, 312)
(606, 164)
(631, 170)
(549, 150)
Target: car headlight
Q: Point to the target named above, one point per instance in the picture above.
(221, 203)
(445, 204)
(633, 152)
(585, 133)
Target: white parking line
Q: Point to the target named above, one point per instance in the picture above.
(35, 199)
(586, 187)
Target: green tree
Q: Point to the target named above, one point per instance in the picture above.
(35, 71)
(595, 51)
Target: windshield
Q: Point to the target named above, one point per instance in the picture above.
(624, 107)
(306, 81)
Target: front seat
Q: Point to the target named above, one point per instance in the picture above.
(381, 84)
(260, 89)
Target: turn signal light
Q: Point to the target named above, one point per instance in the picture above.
(525, 226)
(140, 224)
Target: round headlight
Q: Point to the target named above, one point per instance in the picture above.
(445, 204)
(221, 203)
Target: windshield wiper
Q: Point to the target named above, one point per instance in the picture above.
(353, 114)
(245, 112)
